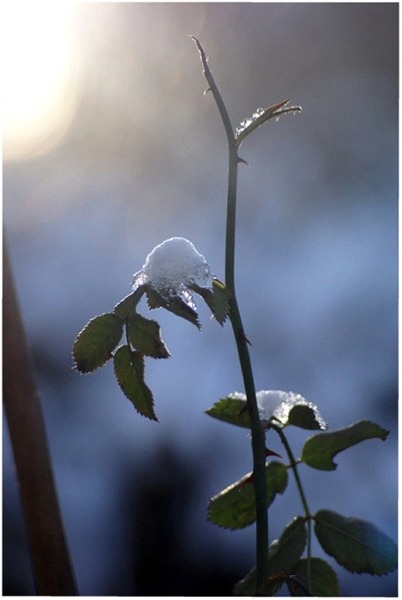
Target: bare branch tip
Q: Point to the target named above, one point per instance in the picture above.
(199, 48)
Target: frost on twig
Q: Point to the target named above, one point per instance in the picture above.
(261, 115)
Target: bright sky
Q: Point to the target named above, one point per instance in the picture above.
(39, 94)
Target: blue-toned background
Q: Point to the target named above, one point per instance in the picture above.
(142, 157)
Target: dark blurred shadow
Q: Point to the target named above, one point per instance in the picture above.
(162, 557)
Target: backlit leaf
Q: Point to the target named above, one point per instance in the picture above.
(324, 580)
(174, 305)
(96, 341)
(230, 410)
(144, 335)
(217, 299)
(283, 555)
(306, 416)
(129, 371)
(128, 304)
(319, 450)
(355, 544)
(234, 507)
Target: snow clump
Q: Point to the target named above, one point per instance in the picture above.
(278, 404)
(172, 267)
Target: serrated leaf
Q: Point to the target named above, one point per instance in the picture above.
(234, 507)
(129, 371)
(357, 545)
(220, 301)
(306, 417)
(319, 450)
(144, 335)
(217, 299)
(324, 580)
(128, 304)
(96, 341)
(285, 552)
(154, 299)
(174, 305)
(230, 410)
(283, 555)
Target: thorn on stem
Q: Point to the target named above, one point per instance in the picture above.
(269, 452)
(241, 160)
(243, 410)
(248, 480)
(207, 90)
(243, 338)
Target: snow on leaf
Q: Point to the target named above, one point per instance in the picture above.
(283, 408)
(170, 270)
(278, 405)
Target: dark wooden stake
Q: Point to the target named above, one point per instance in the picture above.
(52, 566)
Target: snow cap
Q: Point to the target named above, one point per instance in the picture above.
(172, 266)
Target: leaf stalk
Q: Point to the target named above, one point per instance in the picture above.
(293, 465)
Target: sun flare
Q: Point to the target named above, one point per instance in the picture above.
(38, 89)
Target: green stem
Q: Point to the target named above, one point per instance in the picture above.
(257, 432)
(293, 465)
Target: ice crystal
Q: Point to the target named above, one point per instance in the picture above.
(247, 122)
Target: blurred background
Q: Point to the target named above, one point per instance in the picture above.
(109, 148)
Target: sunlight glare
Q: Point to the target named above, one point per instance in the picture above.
(39, 94)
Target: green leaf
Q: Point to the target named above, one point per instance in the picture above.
(154, 299)
(355, 544)
(220, 301)
(306, 416)
(174, 305)
(217, 299)
(234, 507)
(324, 580)
(319, 450)
(128, 304)
(144, 335)
(96, 341)
(230, 410)
(129, 371)
(283, 555)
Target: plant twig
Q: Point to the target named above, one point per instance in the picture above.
(51, 561)
(293, 466)
(257, 432)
